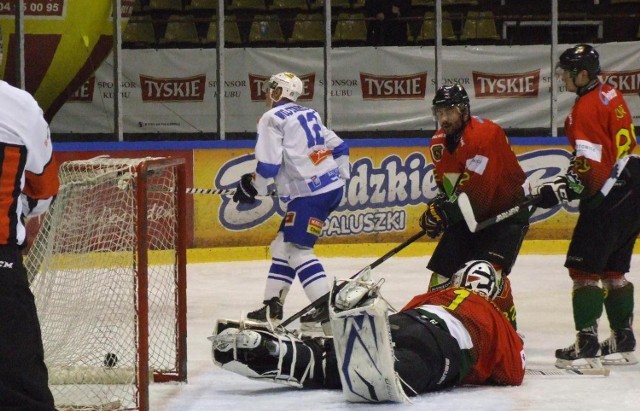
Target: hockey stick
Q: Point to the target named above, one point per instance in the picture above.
(325, 298)
(223, 192)
(475, 225)
(548, 372)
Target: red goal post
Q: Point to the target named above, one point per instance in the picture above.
(108, 272)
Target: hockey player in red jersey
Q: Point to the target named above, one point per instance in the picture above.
(605, 177)
(453, 336)
(472, 155)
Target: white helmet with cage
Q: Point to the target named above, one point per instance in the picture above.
(479, 276)
(291, 85)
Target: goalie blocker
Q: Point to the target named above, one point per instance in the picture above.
(440, 339)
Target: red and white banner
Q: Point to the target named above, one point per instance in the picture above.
(372, 89)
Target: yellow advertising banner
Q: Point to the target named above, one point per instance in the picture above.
(383, 200)
(65, 41)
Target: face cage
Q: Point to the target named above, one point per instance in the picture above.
(269, 85)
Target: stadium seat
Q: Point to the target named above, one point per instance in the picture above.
(336, 5)
(265, 29)
(427, 31)
(351, 28)
(253, 5)
(479, 25)
(423, 3)
(202, 6)
(340, 4)
(164, 5)
(139, 32)
(459, 3)
(232, 35)
(181, 30)
(358, 4)
(308, 29)
(289, 5)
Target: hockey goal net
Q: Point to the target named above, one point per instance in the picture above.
(108, 271)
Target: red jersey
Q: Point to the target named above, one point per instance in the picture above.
(600, 130)
(482, 165)
(497, 352)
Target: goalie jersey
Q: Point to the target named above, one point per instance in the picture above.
(497, 351)
(481, 165)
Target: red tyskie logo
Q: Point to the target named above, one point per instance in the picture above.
(173, 89)
(85, 91)
(628, 82)
(518, 85)
(411, 86)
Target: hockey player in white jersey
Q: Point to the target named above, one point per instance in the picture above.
(309, 164)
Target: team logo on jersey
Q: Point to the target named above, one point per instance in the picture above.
(436, 152)
(319, 156)
(315, 226)
(290, 219)
(489, 85)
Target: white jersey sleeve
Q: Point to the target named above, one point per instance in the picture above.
(295, 149)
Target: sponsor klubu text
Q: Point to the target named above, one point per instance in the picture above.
(173, 89)
(256, 81)
(376, 87)
(488, 85)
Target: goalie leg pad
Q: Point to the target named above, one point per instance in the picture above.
(259, 353)
(364, 351)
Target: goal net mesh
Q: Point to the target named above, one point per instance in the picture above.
(104, 278)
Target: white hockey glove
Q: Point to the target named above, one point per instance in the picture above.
(552, 193)
(344, 167)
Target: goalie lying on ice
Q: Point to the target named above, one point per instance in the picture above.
(440, 339)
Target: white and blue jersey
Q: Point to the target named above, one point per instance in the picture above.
(296, 150)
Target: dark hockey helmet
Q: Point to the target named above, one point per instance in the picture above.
(451, 95)
(578, 58)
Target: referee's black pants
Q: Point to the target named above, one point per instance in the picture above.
(23, 374)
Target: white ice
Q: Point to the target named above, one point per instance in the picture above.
(542, 290)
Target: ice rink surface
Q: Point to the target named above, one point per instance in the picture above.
(542, 291)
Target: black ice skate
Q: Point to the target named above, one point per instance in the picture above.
(271, 312)
(618, 348)
(316, 321)
(584, 353)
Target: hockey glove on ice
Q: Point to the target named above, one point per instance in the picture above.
(553, 193)
(245, 191)
(434, 220)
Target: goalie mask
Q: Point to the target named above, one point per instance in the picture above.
(290, 84)
(479, 276)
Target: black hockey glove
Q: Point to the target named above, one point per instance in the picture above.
(245, 191)
(434, 220)
(553, 193)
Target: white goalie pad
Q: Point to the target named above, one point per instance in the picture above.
(261, 354)
(362, 340)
